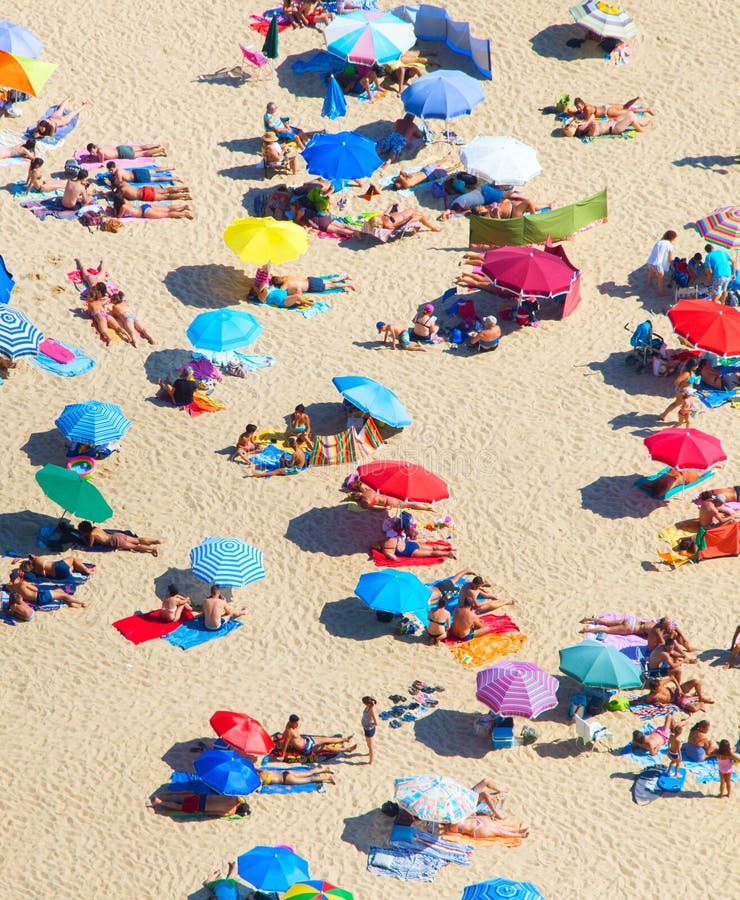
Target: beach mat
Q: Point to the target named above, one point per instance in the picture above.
(51, 206)
(143, 627)
(484, 650)
(499, 840)
(56, 139)
(410, 561)
(84, 159)
(187, 781)
(78, 365)
(191, 634)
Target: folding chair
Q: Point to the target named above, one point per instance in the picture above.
(239, 72)
(591, 731)
(468, 313)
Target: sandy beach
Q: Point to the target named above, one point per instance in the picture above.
(539, 442)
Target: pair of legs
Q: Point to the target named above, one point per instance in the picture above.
(133, 328)
(408, 217)
(482, 790)
(176, 211)
(76, 566)
(172, 192)
(320, 775)
(625, 626)
(425, 550)
(135, 544)
(60, 595)
(342, 229)
(492, 604)
(58, 119)
(616, 126)
(725, 785)
(734, 649)
(102, 322)
(91, 278)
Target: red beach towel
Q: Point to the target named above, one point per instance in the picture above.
(496, 625)
(147, 626)
(404, 561)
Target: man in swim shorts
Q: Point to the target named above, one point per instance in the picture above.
(135, 151)
(399, 335)
(432, 171)
(217, 612)
(30, 593)
(292, 741)
(663, 691)
(465, 623)
(312, 284)
(59, 570)
(139, 175)
(151, 193)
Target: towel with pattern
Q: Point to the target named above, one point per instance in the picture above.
(406, 865)
(484, 650)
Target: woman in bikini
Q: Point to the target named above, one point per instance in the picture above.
(127, 318)
(592, 127)
(486, 826)
(397, 547)
(320, 775)
(97, 299)
(439, 623)
(122, 209)
(614, 625)
(118, 540)
(585, 110)
(173, 605)
(394, 217)
(26, 150)
(424, 326)
(34, 181)
(367, 498)
(46, 128)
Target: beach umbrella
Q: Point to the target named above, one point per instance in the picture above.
(435, 798)
(223, 329)
(270, 46)
(70, 491)
(373, 398)
(685, 448)
(93, 422)
(369, 36)
(18, 40)
(501, 889)
(316, 890)
(24, 74)
(272, 868)
(393, 591)
(604, 19)
(501, 160)
(263, 240)
(18, 335)
(403, 480)
(227, 562)
(528, 271)
(335, 103)
(708, 326)
(444, 94)
(242, 732)
(7, 282)
(344, 155)
(722, 227)
(517, 689)
(599, 665)
(227, 773)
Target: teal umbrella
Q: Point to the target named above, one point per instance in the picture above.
(67, 489)
(270, 47)
(599, 665)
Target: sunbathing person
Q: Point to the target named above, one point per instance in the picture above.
(173, 605)
(18, 609)
(323, 222)
(410, 64)
(465, 623)
(399, 335)
(483, 825)
(124, 151)
(484, 600)
(264, 292)
(46, 128)
(290, 464)
(216, 610)
(627, 625)
(97, 308)
(221, 888)
(127, 318)
(651, 743)
(659, 487)
(585, 110)
(246, 445)
(312, 284)
(117, 540)
(394, 217)
(397, 547)
(122, 209)
(31, 593)
(312, 14)
(405, 135)
(139, 174)
(488, 337)
(150, 193)
(432, 171)
(214, 805)
(297, 744)
(483, 197)
(663, 691)
(319, 775)
(58, 569)
(26, 150)
(592, 127)
(34, 181)
(713, 511)
(370, 499)
(92, 276)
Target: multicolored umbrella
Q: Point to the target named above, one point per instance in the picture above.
(272, 868)
(501, 889)
(604, 19)
(528, 271)
(517, 689)
(18, 40)
(500, 160)
(18, 335)
(393, 591)
(93, 422)
(263, 240)
(227, 562)
(24, 74)
(335, 103)
(227, 773)
(242, 732)
(722, 227)
(369, 36)
(599, 665)
(435, 798)
(317, 890)
(403, 480)
(344, 155)
(68, 490)
(445, 94)
(373, 398)
(708, 326)
(685, 448)
(223, 329)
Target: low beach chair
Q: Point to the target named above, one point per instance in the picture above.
(591, 731)
(256, 64)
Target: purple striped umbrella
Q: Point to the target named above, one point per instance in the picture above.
(517, 689)
(722, 227)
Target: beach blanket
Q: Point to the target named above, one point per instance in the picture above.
(482, 651)
(56, 139)
(322, 62)
(191, 634)
(713, 399)
(406, 865)
(78, 365)
(643, 482)
(347, 446)
(406, 837)
(380, 560)
(50, 206)
(485, 841)
(146, 626)
(84, 158)
(261, 24)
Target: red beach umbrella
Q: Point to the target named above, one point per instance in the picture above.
(242, 732)
(403, 480)
(707, 326)
(528, 270)
(685, 448)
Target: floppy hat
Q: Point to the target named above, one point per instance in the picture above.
(269, 137)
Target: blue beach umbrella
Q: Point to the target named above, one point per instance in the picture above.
(19, 41)
(227, 562)
(93, 422)
(7, 282)
(599, 665)
(373, 398)
(335, 103)
(272, 868)
(343, 155)
(227, 773)
(223, 329)
(445, 94)
(18, 335)
(394, 592)
(501, 889)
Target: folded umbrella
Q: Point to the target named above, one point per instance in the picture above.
(223, 329)
(344, 155)
(272, 868)
(227, 562)
(93, 422)
(394, 591)
(242, 732)
(403, 480)
(335, 103)
(68, 490)
(373, 398)
(227, 773)
(24, 74)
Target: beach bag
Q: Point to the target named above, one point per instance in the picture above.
(72, 168)
(617, 703)
(562, 103)
(111, 225)
(237, 368)
(91, 218)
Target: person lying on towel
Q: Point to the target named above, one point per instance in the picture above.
(659, 487)
(593, 127)
(399, 547)
(293, 742)
(59, 569)
(485, 825)
(213, 805)
(585, 110)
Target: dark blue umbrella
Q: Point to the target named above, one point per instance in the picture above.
(335, 103)
(272, 868)
(7, 282)
(227, 773)
(344, 155)
(445, 94)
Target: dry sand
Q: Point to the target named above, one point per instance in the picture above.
(539, 442)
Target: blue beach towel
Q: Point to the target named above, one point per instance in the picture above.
(406, 865)
(269, 458)
(678, 489)
(191, 634)
(712, 399)
(78, 366)
(61, 133)
(321, 62)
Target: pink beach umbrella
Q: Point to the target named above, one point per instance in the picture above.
(517, 689)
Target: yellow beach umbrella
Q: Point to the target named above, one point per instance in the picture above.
(23, 74)
(262, 240)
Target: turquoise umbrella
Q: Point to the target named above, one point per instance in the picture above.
(599, 665)
(394, 592)
(73, 493)
(223, 329)
(373, 398)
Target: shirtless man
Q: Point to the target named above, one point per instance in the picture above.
(713, 510)
(77, 191)
(212, 805)
(304, 744)
(668, 658)
(585, 110)
(290, 464)
(405, 132)
(149, 193)
(294, 284)
(59, 569)
(127, 318)
(118, 540)
(477, 589)
(30, 593)
(663, 691)
(26, 150)
(434, 169)
(124, 151)
(217, 612)
(399, 335)
(116, 175)
(465, 623)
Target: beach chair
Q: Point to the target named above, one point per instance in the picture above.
(468, 313)
(645, 344)
(591, 731)
(256, 63)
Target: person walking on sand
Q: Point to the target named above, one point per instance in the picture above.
(369, 724)
(216, 611)
(660, 260)
(687, 377)
(726, 760)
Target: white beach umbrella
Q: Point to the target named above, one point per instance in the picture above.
(503, 160)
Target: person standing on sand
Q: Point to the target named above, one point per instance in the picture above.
(369, 724)
(216, 611)
(660, 260)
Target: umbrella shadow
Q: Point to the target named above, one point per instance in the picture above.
(208, 286)
(18, 530)
(449, 732)
(183, 579)
(181, 756)
(307, 84)
(332, 530)
(351, 619)
(326, 417)
(563, 42)
(710, 163)
(44, 446)
(615, 497)
(367, 830)
(242, 145)
(245, 172)
(164, 364)
(616, 372)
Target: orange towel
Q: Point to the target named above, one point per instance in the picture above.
(485, 649)
(485, 841)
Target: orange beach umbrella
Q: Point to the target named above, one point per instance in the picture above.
(23, 74)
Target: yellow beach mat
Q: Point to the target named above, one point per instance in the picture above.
(485, 649)
(672, 534)
(273, 436)
(485, 841)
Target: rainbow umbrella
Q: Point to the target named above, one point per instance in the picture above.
(316, 890)
(23, 74)
(435, 798)
(604, 19)
(722, 227)
(369, 36)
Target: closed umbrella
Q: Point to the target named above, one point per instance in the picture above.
(263, 240)
(435, 798)
(369, 36)
(501, 889)
(403, 480)
(270, 46)
(708, 326)
(501, 160)
(685, 448)
(604, 19)
(93, 422)
(317, 890)
(242, 732)
(373, 398)
(599, 665)
(722, 227)
(344, 155)
(24, 74)
(517, 689)
(335, 103)
(68, 490)
(227, 773)
(223, 329)
(18, 40)
(272, 868)
(528, 271)
(227, 562)
(18, 335)
(394, 592)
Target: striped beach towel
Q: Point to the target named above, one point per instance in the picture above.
(346, 447)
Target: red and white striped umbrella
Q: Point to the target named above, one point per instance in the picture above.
(517, 689)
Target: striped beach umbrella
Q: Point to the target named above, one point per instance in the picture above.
(722, 227)
(227, 562)
(517, 689)
(316, 890)
(18, 335)
(93, 422)
(501, 889)
(435, 798)
(369, 36)
(604, 19)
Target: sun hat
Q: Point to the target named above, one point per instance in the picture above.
(428, 307)
(269, 137)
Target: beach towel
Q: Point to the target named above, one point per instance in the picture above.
(261, 24)
(642, 483)
(485, 841)
(51, 206)
(102, 179)
(406, 865)
(56, 139)
(713, 399)
(84, 159)
(18, 192)
(191, 634)
(405, 837)
(146, 626)
(322, 62)
(188, 781)
(269, 458)
(484, 650)
(201, 404)
(78, 365)
(647, 711)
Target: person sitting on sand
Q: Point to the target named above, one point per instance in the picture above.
(275, 155)
(150, 193)
(126, 316)
(215, 806)
(484, 600)
(698, 743)
(117, 540)
(116, 175)
(651, 743)
(26, 150)
(509, 209)
(662, 691)
(439, 623)
(405, 135)
(367, 498)
(626, 625)
(122, 209)
(48, 127)
(713, 511)
(291, 741)
(663, 629)
(34, 181)
(488, 337)
(431, 171)
(398, 547)
(221, 888)
(299, 423)
(399, 335)
(585, 110)
(182, 390)
(32, 593)
(173, 605)
(246, 446)
(667, 659)
(317, 775)
(216, 610)
(465, 623)
(290, 464)
(124, 151)
(592, 127)
(96, 301)
(659, 487)
(77, 191)
(58, 569)
(280, 127)
(312, 284)
(393, 217)
(486, 825)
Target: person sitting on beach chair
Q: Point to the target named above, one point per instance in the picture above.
(279, 126)
(124, 151)
(291, 741)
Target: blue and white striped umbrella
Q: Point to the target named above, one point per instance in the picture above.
(501, 889)
(18, 335)
(435, 798)
(227, 562)
(93, 422)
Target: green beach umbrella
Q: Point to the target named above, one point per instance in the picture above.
(73, 493)
(270, 47)
(599, 665)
